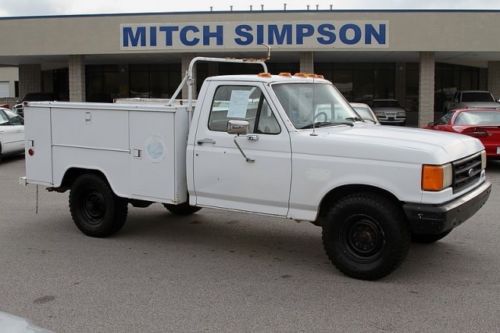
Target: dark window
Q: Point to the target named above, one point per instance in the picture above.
(477, 97)
(444, 120)
(242, 103)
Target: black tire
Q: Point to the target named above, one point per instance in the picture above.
(366, 236)
(182, 209)
(95, 209)
(427, 238)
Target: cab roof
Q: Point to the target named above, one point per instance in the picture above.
(271, 79)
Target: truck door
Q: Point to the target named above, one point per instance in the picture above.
(222, 176)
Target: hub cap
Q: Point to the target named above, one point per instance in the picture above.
(364, 237)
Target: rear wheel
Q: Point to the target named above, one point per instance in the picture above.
(366, 236)
(182, 209)
(95, 209)
(428, 238)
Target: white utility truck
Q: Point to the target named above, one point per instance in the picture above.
(280, 145)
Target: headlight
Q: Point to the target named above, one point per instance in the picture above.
(483, 159)
(379, 114)
(436, 177)
(401, 114)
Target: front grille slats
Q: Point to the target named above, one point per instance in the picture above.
(466, 172)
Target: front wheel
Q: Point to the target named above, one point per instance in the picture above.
(95, 209)
(366, 236)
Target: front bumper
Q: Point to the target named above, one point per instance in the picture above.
(436, 219)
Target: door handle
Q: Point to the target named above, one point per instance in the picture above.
(206, 140)
(253, 137)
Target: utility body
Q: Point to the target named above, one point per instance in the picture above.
(279, 145)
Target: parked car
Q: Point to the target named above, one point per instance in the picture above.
(11, 133)
(483, 124)
(389, 112)
(32, 97)
(365, 112)
(468, 99)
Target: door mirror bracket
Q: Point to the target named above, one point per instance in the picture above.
(239, 127)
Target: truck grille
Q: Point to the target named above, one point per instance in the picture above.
(466, 172)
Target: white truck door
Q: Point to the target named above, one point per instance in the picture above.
(222, 176)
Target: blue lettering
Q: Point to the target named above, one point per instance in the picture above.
(371, 32)
(131, 39)
(184, 35)
(327, 32)
(245, 37)
(304, 30)
(152, 36)
(354, 38)
(260, 34)
(168, 30)
(280, 36)
(218, 35)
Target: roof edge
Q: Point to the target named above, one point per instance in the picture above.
(180, 13)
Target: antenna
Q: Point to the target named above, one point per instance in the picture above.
(251, 8)
(308, 7)
(317, 7)
(231, 7)
(331, 7)
(284, 6)
(313, 111)
(211, 8)
(262, 7)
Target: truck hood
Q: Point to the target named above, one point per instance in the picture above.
(386, 143)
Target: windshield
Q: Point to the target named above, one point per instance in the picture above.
(478, 118)
(314, 103)
(3, 118)
(364, 113)
(477, 97)
(386, 104)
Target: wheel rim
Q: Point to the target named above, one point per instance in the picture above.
(94, 207)
(364, 238)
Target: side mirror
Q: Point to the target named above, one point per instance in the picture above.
(238, 127)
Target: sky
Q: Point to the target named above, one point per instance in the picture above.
(67, 7)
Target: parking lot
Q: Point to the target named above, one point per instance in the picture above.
(219, 271)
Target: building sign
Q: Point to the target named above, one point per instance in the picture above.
(232, 35)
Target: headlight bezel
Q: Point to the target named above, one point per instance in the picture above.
(436, 178)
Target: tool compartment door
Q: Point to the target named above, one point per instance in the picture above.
(152, 167)
(38, 128)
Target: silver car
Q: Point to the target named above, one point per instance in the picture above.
(389, 112)
(11, 133)
(469, 99)
(365, 112)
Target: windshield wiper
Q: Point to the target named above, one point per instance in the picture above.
(354, 119)
(326, 123)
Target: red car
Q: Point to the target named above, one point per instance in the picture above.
(483, 124)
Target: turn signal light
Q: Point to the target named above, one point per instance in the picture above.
(436, 177)
(31, 152)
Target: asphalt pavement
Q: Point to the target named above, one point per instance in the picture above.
(216, 271)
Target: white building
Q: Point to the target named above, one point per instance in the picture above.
(417, 57)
